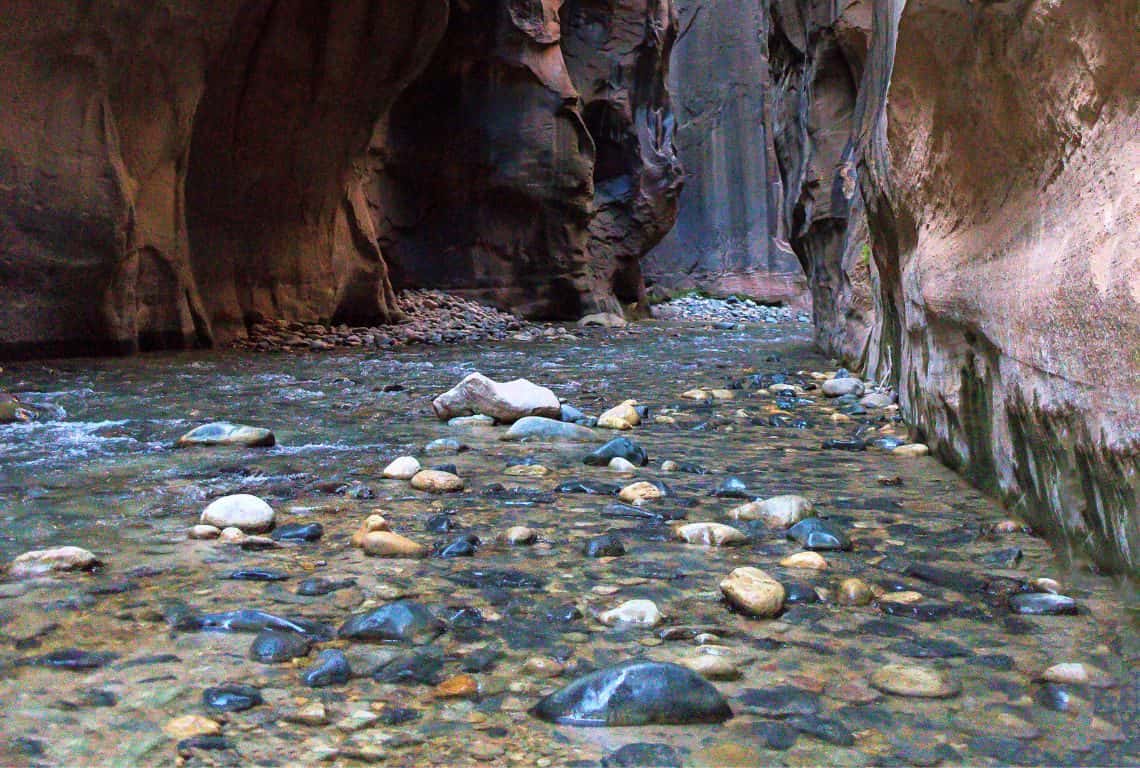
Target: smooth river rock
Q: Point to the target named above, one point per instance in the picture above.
(541, 428)
(710, 534)
(390, 544)
(41, 562)
(635, 693)
(777, 512)
(330, 668)
(241, 510)
(223, 433)
(619, 447)
(400, 622)
(505, 402)
(272, 647)
(753, 592)
(403, 468)
(643, 612)
(435, 481)
(912, 681)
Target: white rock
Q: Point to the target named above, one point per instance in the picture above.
(205, 532)
(778, 511)
(505, 402)
(41, 562)
(911, 450)
(710, 534)
(845, 386)
(876, 400)
(642, 612)
(241, 510)
(624, 466)
(542, 428)
(521, 535)
(403, 468)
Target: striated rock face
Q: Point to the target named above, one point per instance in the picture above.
(996, 186)
(731, 232)
(1000, 181)
(169, 175)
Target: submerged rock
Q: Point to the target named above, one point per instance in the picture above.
(223, 433)
(911, 681)
(390, 544)
(330, 668)
(435, 481)
(400, 622)
(231, 697)
(274, 647)
(643, 612)
(540, 428)
(604, 545)
(635, 693)
(299, 532)
(241, 510)
(1042, 604)
(817, 533)
(71, 659)
(710, 535)
(506, 402)
(753, 592)
(41, 562)
(11, 410)
(618, 448)
(248, 620)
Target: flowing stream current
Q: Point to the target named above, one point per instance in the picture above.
(108, 668)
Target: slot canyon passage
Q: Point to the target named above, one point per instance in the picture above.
(828, 448)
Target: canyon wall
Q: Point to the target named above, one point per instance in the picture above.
(170, 172)
(1000, 178)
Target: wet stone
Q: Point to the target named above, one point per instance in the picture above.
(732, 488)
(270, 647)
(1043, 604)
(256, 574)
(635, 693)
(775, 734)
(825, 729)
(605, 545)
(250, 620)
(316, 586)
(931, 649)
(844, 444)
(819, 534)
(643, 755)
(231, 697)
(589, 487)
(797, 592)
(402, 621)
(918, 611)
(619, 447)
(463, 546)
(780, 701)
(72, 660)
(412, 669)
(208, 743)
(330, 668)
(498, 578)
(298, 532)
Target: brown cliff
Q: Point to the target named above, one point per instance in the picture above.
(169, 174)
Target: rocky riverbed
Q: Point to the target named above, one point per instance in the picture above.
(766, 570)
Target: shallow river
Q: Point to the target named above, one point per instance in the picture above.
(98, 470)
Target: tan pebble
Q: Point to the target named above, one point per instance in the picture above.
(371, 523)
(526, 470)
(521, 535)
(669, 466)
(664, 420)
(542, 667)
(434, 481)
(640, 491)
(191, 725)
(911, 450)
(753, 592)
(202, 532)
(840, 418)
(854, 592)
(231, 535)
(712, 667)
(812, 561)
(605, 589)
(389, 544)
(695, 394)
(622, 466)
(622, 417)
(905, 598)
(1046, 585)
(710, 534)
(458, 687)
(722, 394)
